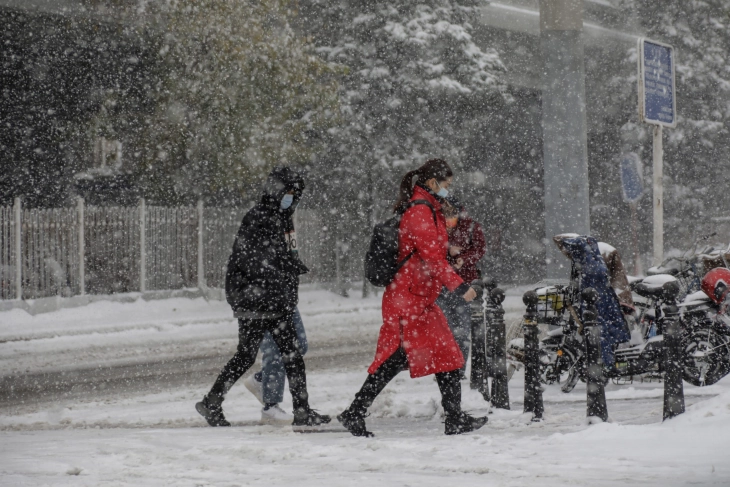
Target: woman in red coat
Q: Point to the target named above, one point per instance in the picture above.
(415, 334)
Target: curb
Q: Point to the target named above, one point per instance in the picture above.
(46, 305)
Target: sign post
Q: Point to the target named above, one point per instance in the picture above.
(633, 189)
(657, 106)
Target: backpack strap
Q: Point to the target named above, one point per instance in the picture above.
(413, 203)
(435, 222)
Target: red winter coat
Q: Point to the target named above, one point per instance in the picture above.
(411, 318)
(469, 236)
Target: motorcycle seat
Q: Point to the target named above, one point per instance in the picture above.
(653, 286)
(648, 291)
(658, 271)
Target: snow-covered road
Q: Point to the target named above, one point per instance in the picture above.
(104, 394)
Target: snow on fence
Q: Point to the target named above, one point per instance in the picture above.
(101, 250)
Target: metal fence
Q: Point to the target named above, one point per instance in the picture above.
(103, 250)
(107, 249)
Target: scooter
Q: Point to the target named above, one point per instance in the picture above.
(705, 337)
(706, 341)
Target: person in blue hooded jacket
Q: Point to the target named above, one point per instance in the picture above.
(583, 250)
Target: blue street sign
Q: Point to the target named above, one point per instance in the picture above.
(657, 96)
(631, 178)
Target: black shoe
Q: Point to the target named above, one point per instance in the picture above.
(463, 423)
(213, 413)
(309, 417)
(354, 422)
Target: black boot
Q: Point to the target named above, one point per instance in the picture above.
(463, 423)
(309, 417)
(212, 412)
(354, 421)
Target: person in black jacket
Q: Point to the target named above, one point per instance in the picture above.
(262, 287)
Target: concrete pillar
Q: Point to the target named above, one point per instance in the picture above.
(565, 148)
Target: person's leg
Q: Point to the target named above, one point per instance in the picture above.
(301, 334)
(458, 316)
(450, 388)
(272, 376)
(457, 421)
(353, 418)
(273, 373)
(462, 328)
(376, 382)
(285, 336)
(250, 334)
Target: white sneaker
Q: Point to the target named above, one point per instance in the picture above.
(255, 387)
(276, 415)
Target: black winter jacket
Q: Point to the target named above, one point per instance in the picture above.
(263, 274)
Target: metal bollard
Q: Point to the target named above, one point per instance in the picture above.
(489, 285)
(500, 393)
(478, 377)
(673, 386)
(479, 365)
(533, 390)
(595, 389)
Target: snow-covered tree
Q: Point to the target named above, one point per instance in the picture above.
(697, 150)
(415, 73)
(236, 92)
(415, 83)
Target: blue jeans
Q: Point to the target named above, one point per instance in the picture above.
(272, 372)
(458, 315)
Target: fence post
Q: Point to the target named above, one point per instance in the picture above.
(500, 393)
(142, 247)
(82, 248)
(533, 390)
(673, 386)
(595, 389)
(18, 250)
(201, 265)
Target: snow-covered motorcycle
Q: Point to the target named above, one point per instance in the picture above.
(638, 348)
(706, 325)
(560, 307)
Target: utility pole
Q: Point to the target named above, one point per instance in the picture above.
(565, 148)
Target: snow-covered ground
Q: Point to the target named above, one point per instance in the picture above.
(104, 395)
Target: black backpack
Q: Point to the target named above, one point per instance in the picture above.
(381, 260)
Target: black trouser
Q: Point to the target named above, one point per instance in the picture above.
(250, 334)
(448, 382)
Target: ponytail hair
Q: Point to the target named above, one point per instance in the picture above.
(433, 168)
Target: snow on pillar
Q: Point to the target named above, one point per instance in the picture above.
(565, 148)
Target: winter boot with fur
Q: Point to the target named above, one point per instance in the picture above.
(462, 422)
(212, 412)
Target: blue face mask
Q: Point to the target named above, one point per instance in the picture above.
(286, 201)
(443, 192)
